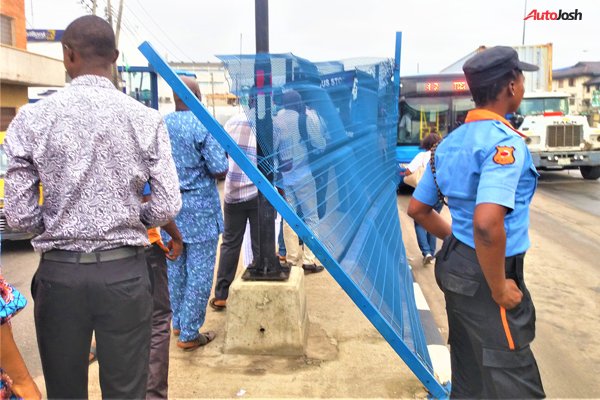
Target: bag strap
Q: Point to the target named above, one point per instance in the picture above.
(441, 197)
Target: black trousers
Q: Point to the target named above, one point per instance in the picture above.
(112, 298)
(158, 370)
(489, 346)
(235, 217)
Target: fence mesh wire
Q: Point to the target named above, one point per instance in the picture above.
(327, 133)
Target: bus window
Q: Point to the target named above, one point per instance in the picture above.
(421, 116)
(460, 108)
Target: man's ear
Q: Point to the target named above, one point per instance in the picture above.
(71, 55)
(115, 56)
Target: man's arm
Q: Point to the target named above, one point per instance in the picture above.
(22, 182)
(166, 198)
(215, 157)
(175, 245)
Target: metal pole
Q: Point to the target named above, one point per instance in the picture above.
(267, 267)
(94, 6)
(261, 23)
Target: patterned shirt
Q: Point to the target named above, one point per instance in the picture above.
(198, 157)
(93, 148)
(238, 187)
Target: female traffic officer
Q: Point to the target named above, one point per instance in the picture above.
(485, 171)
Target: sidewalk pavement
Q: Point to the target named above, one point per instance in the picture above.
(346, 357)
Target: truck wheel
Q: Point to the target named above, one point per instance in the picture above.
(590, 172)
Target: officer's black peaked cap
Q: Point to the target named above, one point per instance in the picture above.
(489, 65)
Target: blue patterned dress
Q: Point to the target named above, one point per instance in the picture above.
(198, 157)
(11, 302)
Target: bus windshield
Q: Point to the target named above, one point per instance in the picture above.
(539, 106)
(421, 116)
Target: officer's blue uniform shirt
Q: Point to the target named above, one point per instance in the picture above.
(197, 157)
(483, 161)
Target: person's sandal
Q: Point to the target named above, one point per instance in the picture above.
(217, 307)
(312, 268)
(202, 340)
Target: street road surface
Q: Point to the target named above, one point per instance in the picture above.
(562, 272)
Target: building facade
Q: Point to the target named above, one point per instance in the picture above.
(582, 82)
(21, 69)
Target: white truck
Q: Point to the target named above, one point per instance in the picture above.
(556, 139)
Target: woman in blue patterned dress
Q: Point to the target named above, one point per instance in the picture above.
(15, 381)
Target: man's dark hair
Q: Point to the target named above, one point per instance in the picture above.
(483, 95)
(92, 37)
(430, 140)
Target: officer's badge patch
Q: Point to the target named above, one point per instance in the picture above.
(504, 155)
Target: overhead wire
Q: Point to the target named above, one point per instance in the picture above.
(143, 24)
(163, 32)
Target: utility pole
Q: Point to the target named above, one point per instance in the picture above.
(109, 13)
(212, 84)
(115, 73)
(94, 6)
(267, 267)
(118, 28)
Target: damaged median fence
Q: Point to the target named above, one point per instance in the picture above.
(338, 163)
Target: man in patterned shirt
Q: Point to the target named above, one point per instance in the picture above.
(199, 160)
(93, 148)
(240, 206)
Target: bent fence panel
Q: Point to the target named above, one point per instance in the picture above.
(328, 133)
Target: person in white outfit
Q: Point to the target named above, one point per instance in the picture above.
(295, 130)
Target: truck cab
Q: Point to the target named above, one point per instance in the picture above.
(556, 139)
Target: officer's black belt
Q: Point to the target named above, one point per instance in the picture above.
(470, 254)
(93, 257)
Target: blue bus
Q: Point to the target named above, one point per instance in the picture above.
(429, 103)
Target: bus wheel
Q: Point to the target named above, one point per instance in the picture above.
(590, 172)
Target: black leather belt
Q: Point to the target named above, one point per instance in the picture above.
(93, 257)
(513, 264)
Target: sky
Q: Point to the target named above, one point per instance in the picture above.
(435, 33)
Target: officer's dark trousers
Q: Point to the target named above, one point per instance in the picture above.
(235, 217)
(158, 371)
(112, 298)
(489, 346)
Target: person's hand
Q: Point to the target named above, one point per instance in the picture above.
(27, 390)
(175, 248)
(509, 296)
